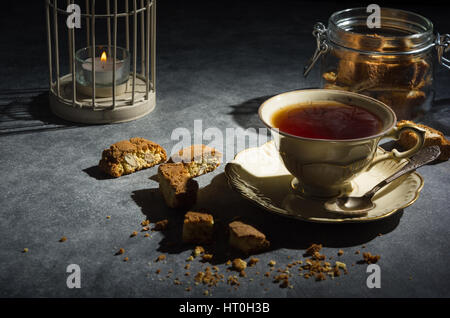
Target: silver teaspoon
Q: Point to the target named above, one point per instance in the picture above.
(357, 206)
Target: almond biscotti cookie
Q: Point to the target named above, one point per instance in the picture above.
(128, 156)
(246, 238)
(432, 137)
(176, 186)
(198, 159)
(197, 227)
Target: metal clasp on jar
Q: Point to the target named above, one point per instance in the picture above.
(320, 33)
(442, 44)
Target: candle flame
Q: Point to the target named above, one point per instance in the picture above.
(103, 57)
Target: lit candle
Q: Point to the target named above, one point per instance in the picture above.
(104, 66)
(103, 69)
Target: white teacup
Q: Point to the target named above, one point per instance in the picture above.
(325, 167)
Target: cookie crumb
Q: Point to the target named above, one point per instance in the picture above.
(120, 251)
(25, 250)
(284, 283)
(160, 258)
(318, 256)
(272, 263)
(198, 250)
(370, 259)
(134, 234)
(239, 264)
(232, 280)
(314, 248)
(320, 276)
(207, 257)
(340, 253)
(63, 239)
(253, 261)
(125, 259)
(341, 265)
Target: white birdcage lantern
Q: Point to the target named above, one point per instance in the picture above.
(102, 83)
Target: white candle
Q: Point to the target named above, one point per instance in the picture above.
(103, 70)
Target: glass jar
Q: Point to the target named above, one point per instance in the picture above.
(103, 64)
(393, 63)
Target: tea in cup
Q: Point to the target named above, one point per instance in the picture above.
(326, 138)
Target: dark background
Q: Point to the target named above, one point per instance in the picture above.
(216, 61)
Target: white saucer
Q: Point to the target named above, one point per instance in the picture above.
(259, 175)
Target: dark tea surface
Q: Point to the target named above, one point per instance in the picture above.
(327, 120)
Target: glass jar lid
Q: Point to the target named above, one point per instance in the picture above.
(400, 31)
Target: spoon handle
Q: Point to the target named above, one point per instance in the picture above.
(421, 158)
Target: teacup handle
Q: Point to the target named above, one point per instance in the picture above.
(395, 134)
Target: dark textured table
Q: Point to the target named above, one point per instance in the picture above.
(216, 62)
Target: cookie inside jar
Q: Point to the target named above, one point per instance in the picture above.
(392, 63)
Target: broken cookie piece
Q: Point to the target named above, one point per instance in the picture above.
(239, 264)
(246, 238)
(198, 159)
(176, 186)
(432, 137)
(161, 225)
(128, 156)
(198, 227)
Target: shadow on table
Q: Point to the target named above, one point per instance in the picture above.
(28, 111)
(246, 114)
(226, 205)
(96, 173)
(154, 209)
(439, 116)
